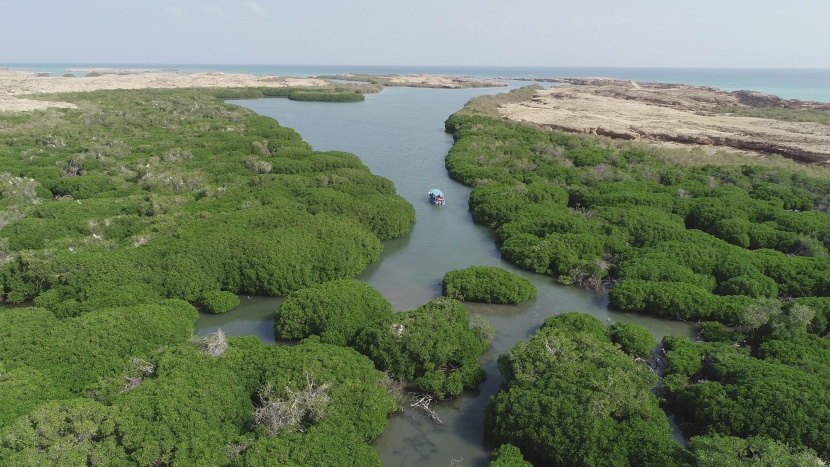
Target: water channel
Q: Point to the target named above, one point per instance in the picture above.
(399, 134)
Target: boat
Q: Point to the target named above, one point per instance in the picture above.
(436, 197)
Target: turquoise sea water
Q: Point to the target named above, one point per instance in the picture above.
(802, 83)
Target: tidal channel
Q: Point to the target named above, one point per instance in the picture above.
(399, 134)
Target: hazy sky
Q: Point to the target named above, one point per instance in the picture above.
(690, 33)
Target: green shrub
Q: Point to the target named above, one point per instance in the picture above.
(677, 300)
(632, 214)
(325, 95)
(72, 432)
(487, 284)
(659, 268)
(508, 455)
(576, 322)
(735, 231)
(434, 346)
(77, 352)
(632, 339)
(752, 285)
(821, 306)
(155, 201)
(571, 397)
(219, 301)
(336, 311)
(238, 93)
(735, 394)
(359, 403)
(718, 450)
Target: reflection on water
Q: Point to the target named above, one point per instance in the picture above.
(253, 317)
(399, 134)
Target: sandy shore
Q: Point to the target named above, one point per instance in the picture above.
(15, 85)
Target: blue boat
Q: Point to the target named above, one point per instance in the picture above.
(436, 197)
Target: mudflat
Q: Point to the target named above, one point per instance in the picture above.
(679, 114)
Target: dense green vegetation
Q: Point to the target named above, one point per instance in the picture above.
(178, 405)
(333, 93)
(219, 301)
(115, 215)
(730, 451)
(508, 455)
(721, 242)
(327, 96)
(766, 379)
(571, 397)
(336, 311)
(696, 242)
(632, 339)
(487, 284)
(144, 195)
(434, 346)
(43, 357)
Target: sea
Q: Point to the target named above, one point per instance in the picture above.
(809, 84)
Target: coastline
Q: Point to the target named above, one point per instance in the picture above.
(658, 113)
(811, 84)
(679, 114)
(16, 85)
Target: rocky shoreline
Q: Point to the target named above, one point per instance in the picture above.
(682, 114)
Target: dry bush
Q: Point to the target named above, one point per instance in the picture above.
(258, 166)
(141, 369)
(299, 407)
(394, 388)
(214, 344)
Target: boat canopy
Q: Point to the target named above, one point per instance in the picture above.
(436, 192)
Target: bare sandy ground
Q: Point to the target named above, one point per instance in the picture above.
(674, 114)
(425, 81)
(16, 85)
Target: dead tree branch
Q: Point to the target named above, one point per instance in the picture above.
(298, 406)
(423, 401)
(213, 344)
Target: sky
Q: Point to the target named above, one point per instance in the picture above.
(606, 33)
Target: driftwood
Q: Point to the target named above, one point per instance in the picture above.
(423, 401)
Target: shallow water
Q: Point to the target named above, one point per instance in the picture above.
(399, 134)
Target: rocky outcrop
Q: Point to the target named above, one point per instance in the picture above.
(763, 101)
